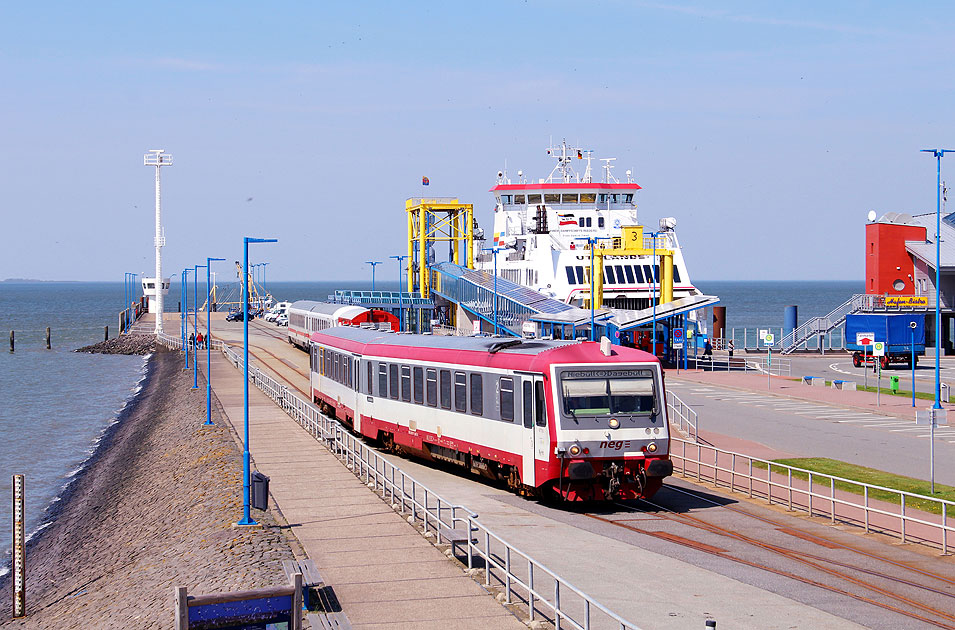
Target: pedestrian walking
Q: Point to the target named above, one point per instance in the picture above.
(192, 340)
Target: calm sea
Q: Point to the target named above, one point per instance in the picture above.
(56, 404)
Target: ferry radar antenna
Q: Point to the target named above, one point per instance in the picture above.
(563, 172)
(608, 176)
(587, 174)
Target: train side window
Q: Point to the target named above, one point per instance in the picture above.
(477, 394)
(371, 380)
(393, 381)
(445, 389)
(541, 406)
(527, 402)
(432, 382)
(507, 399)
(461, 392)
(334, 374)
(419, 385)
(405, 383)
(382, 379)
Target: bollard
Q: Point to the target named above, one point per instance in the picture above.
(19, 550)
(11, 341)
(105, 333)
(48, 345)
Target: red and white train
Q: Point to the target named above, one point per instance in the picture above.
(579, 420)
(306, 317)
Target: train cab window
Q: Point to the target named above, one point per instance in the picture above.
(477, 394)
(405, 383)
(461, 392)
(540, 404)
(419, 385)
(527, 403)
(445, 389)
(507, 399)
(370, 385)
(382, 379)
(432, 382)
(393, 381)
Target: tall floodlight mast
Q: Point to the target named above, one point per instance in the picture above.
(157, 158)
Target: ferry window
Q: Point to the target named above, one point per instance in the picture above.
(638, 271)
(600, 221)
(477, 394)
(608, 275)
(568, 198)
(419, 385)
(580, 222)
(676, 273)
(656, 272)
(589, 222)
(619, 270)
(602, 198)
(628, 198)
(461, 392)
(551, 198)
(382, 379)
(445, 389)
(505, 199)
(580, 275)
(507, 399)
(527, 402)
(588, 197)
(432, 388)
(405, 383)
(629, 271)
(519, 199)
(648, 272)
(371, 380)
(570, 275)
(393, 381)
(614, 198)
(541, 406)
(533, 198)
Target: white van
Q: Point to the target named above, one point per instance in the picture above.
(279, 309)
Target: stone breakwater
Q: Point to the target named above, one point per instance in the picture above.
(153, 510)
(124, 344)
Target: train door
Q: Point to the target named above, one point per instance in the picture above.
(534, 415)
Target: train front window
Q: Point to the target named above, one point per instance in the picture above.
(590, 394)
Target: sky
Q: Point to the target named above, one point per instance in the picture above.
(769, 130)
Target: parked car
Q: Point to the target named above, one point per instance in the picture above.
(281, 320)
(234, 316)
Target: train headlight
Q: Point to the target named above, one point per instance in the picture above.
(574, 450)
(651, 447)
(614, 423)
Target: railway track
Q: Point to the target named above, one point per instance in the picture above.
(868, 577)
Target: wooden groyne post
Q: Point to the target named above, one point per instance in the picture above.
(105, 333)
(48, 346)
(19, 551)
(11, 341)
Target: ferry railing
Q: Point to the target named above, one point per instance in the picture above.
(908, 516)
(748, 339)
(524, 580)
(683, 416)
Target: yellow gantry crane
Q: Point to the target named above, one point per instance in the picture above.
(632, 242)
(432, 221)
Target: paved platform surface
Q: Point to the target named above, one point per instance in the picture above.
(383, 572)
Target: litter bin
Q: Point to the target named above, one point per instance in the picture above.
(945, 393)
(894, 384)
(260, 491)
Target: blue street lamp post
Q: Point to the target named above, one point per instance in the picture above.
(264, 265)
(132, 297)
(185, 313)
(126, 301)
(208, 266)
(401, 305)
(592, 241)
(494, 250)
(912, 361)
(246, 473)
(373, 263)
(195, 326)
(653, 294)
(938, 153)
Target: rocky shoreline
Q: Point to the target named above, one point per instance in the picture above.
(153, 510)
(124, 344)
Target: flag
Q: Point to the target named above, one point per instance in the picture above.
(580, 155)
(566, 218)
(425, 181)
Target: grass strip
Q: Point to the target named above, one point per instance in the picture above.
(873, 477)
(886, 391)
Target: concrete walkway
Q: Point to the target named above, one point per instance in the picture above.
(383, 572)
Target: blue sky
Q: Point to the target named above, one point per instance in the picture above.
(769, 130)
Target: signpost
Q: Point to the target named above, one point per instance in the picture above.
(769, 339)
(933, 417)
(865, 340)
(878, 350)
(678, 341)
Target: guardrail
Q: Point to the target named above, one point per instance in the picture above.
(524, 580)
(817, 494)
(683, 416)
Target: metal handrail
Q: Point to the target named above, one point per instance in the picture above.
(435, 513)
(729, 474)
(685, 416)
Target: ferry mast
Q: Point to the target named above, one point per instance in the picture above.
(157, 158)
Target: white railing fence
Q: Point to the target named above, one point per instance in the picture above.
(874, 508)
(524, 581)
(683, 416)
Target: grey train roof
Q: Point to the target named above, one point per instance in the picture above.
(324, 308)
(510, 345)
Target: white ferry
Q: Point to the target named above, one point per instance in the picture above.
(545, 227)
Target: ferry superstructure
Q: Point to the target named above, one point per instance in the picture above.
(544, 227)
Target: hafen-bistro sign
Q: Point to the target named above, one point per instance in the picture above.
(907, 301)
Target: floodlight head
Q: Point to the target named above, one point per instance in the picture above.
(156, 157)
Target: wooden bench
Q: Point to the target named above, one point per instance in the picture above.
(316, 594)
(455, 537)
